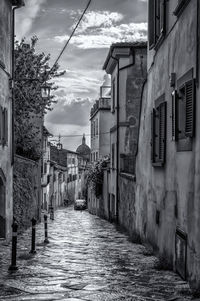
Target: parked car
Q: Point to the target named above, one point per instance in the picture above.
(80, 204)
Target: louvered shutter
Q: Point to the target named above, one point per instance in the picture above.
(174, 115)
(153, 116)
(162, 131)
(1, 125)
(151, 22)
(6, 125)
(189, 108)
(162, 17)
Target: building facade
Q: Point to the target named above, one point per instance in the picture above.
(6, 140)
(126, 63)
(45, 170)
(72, 178)
(167, 166)
(100, 121)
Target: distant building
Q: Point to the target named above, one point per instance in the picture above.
(100, 123)
(45, 170)
(84, 149)
(72, 177)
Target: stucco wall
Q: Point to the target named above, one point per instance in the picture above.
(5, 33)
(5, 101)
(176, 184)
(26, 191)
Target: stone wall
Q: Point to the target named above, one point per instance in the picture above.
(26, 193)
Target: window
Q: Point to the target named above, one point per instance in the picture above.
(45, 167)
(93, 128)
(96, 156)
(54, 177)
(156, 21)
(183, 109)
(113, 155)
(127, 163)
(158, 132)
(97, 130)
(113, 96)
(3, 126)
(73, 160)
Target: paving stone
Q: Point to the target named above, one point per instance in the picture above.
(87, 259)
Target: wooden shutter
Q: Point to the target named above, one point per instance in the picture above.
(151, 23)
(6, 126)
(1, 125)
(174, 115)
(162, 17)
(153, 116)
(189, 108)
(162, 131)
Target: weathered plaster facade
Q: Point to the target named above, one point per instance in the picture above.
(168, 197)
(126, 62)
(6, 170)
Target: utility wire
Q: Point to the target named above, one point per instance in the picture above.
(61, 136)
(70, 36)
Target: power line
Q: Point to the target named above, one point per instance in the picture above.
(81, 135)
(70, 36)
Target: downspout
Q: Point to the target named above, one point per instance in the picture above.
(141, 98)
(118, 135)
(197, 44)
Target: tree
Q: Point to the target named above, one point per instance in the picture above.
(31, 71)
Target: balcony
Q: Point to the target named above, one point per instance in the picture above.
(102, 103)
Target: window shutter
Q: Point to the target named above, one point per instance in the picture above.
(162, 17)
(174, 115)
(153, 116)
(6, 125)
(151, 23)
(162, 131)
(1, 125)
(189, 108)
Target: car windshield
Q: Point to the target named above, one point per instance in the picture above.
(80, 201)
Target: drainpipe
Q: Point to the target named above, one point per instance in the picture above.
(197, 44)
(118, 134)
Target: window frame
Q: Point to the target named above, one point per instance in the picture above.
(183, 112)
(159, 132)
(156, 23)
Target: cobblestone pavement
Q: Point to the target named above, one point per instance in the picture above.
(86, 259)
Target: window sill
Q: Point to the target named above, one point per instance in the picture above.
(158, 164)
(128, 176)
(180, 7)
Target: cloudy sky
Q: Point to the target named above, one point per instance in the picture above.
(106, 22)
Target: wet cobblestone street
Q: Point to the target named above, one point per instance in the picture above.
(86, 259)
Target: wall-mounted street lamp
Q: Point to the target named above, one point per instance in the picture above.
(45, 91)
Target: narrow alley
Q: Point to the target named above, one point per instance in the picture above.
(86, 259)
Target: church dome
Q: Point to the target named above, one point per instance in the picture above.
(84, 149)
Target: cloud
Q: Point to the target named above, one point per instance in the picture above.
(71, 110)
(26, 16)
(94, 19)
(105, 36)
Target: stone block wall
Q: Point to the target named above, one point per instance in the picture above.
(26, 191)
